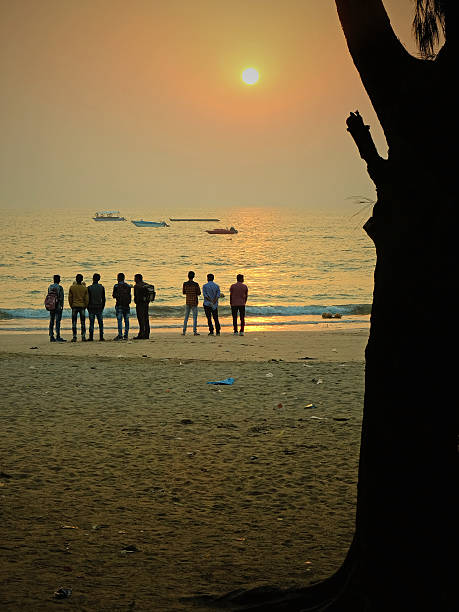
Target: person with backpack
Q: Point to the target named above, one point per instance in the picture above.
(78, 300)
(54, 303)
(144, 293)
(96, 307)
(122, 295)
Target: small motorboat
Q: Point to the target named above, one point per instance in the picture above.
(231, 230)
(142, 223)
(108, 215)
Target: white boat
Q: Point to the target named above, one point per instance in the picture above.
(108, 215)
(142, 223)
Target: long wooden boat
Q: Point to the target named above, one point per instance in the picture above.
(171, 219)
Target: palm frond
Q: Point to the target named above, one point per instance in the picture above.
(428, 23)
(363, 211)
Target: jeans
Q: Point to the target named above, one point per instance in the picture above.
(55, 317)
(212, 313)
(100, 320)
(142, 318)
(122, 312)
(194, 309)
(234, 311)
(78, 310)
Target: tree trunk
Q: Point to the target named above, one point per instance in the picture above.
(405, 546)
(405, 549)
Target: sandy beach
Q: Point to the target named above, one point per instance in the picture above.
(130, 480)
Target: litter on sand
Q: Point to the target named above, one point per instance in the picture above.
(129, 549)
(225, 381)
(62, 593)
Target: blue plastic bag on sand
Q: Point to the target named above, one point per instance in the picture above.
(226, 381)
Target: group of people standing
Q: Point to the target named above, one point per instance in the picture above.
(92, 298)
(211, 294)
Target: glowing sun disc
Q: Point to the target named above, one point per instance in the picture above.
(250, 76)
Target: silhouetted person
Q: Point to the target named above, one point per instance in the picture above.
(211, 293)
(191, 290)
(96, 306)
(122, 295)
(55, 309)
(78, 300)
(238, 299)
(141, 307)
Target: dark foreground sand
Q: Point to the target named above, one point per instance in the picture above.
(217, 488)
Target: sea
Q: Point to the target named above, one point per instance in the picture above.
(297, 264)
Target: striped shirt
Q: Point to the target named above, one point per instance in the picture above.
(191, 289)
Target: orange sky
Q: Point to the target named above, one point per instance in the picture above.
(107, 103)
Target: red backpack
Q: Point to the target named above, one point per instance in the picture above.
(52, 299)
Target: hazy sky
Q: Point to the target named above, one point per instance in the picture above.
(139, 104)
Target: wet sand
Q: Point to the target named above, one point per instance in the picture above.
(112, 445)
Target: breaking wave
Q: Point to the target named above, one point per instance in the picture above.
(176, 312)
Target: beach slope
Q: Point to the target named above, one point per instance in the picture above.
(130, 480)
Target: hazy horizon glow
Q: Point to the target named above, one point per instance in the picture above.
(107, 104)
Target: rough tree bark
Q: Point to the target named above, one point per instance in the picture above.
(405, 549)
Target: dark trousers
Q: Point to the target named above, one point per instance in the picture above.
(100, 320)
(209, 314)
(55, 317)
(234, 311)
(142, 318)
(79, 310)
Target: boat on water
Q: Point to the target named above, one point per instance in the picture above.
(108, 215)
(142, 223)
(193, 219)
(231, 230)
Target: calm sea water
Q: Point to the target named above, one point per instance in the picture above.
(296, 264)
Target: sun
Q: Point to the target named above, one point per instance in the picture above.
(250, 76)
